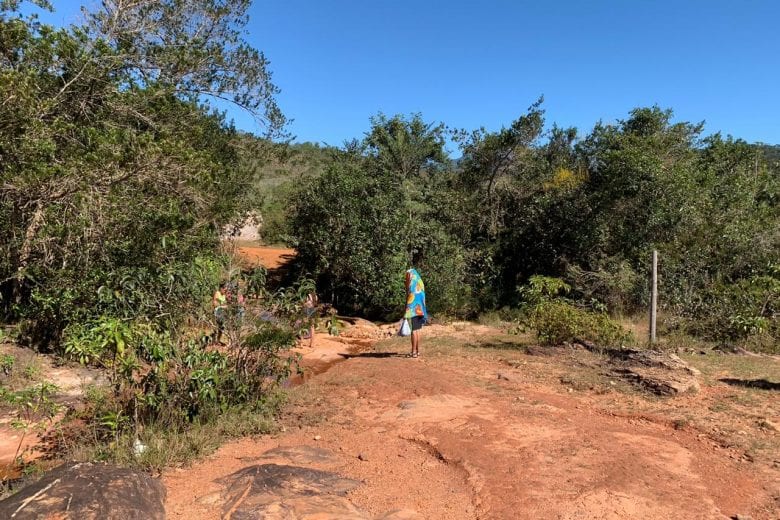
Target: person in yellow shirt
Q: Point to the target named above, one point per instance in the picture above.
(219, 303)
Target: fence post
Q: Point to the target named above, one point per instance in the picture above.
(654, 296)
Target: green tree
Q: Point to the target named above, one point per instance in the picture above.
(359, 225)
(115, 175)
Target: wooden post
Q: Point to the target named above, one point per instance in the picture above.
(654, 296)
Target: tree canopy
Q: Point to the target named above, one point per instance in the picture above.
(525, 201)
(116, 171)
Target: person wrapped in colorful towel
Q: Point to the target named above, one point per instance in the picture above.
(416, 312)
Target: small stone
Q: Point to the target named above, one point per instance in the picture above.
(741, 432)
(612, 383)
(741, 517)
(362, 457)
(507, 376)
(570, 390)
(317, 437)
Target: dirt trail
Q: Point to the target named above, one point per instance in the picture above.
(450, 439)
(462, 434)
(270, 257)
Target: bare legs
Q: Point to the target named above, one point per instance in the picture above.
(415, 343)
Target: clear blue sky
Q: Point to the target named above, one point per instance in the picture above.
(471, 64)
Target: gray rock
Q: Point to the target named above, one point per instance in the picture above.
(87, 491)
(658, 372)
(659, 381)
(280, 491)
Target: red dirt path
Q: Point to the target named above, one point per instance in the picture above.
(459, 435)
(446, 438)
(269, 257)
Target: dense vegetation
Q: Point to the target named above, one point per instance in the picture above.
(117, 177)
(523, 201)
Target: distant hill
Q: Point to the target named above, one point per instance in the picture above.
(298, 161)
(287, 168)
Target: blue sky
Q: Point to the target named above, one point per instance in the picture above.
(472, 64)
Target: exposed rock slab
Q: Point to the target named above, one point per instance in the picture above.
(287, 492)
(87, 491)
(659, 381)
(274, 491)
(659, 372)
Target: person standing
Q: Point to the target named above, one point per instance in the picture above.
(416, 312)
(228, 304)
(219, 303)
(310, 308)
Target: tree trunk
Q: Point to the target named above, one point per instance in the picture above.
(26, 251)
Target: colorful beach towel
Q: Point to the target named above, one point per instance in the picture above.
(415, 295)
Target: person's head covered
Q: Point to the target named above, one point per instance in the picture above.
(414, 258)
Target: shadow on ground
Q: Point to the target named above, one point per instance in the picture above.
(498, 345)
(762, 384)
(370, 355)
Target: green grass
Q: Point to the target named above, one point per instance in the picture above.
(163, 447)
(714, 365)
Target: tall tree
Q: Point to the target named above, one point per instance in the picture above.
(110, 157)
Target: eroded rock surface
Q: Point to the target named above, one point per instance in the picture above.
(658, 372)
(87, 491)
(276, 491)
(285, 487)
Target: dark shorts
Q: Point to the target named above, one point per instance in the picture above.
(417, 322)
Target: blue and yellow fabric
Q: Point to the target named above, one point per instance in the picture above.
(415, 295)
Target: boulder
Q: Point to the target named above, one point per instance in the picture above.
(280, 491)
(87, 491)
(659, 372)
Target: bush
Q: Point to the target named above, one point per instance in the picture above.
(172, 383)
(558, 321)
(616, 286)
(737, 311)
(356, 235)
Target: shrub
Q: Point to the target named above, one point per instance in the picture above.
(737, 311)
(168, 381)
(616, 285)
(558, 321)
